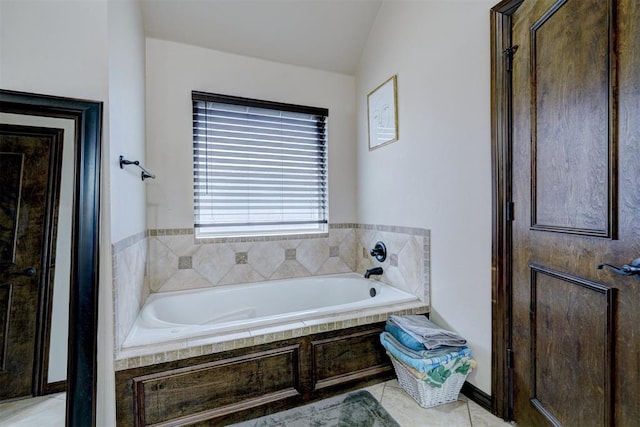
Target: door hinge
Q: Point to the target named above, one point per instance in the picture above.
(509, 358)
(508, 54)
(510, 211)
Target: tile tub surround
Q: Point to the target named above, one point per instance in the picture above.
(129, 262)
(177, 261)
(407, 265)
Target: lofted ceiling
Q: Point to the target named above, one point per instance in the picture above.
(322, 34)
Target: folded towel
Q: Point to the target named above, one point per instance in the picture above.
(412, 347)
(437, 376)
(404, 338)
(414, 360)
(434, 371)
(422, 329)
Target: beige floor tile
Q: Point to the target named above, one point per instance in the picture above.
(408, 413)
(482, 418)
(43, 411)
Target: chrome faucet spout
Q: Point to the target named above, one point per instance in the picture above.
(373, 271)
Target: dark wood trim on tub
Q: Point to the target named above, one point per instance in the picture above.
(223, 388)
(501, 117)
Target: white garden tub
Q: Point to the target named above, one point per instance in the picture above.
(176, 315)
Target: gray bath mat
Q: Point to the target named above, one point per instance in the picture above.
(357, 409)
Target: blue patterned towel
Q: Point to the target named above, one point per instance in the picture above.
(414, 360)
(435, 370)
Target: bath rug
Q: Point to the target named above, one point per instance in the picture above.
(356, 409)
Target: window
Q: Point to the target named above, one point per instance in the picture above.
(259, 167)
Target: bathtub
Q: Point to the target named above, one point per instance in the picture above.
(180, 315)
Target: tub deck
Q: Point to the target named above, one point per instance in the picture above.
(171, 350)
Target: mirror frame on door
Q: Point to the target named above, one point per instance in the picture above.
(83, 298)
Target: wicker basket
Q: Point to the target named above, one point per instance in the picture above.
(426, 395)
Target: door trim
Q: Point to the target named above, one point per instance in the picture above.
(83, 304)
(501, 119)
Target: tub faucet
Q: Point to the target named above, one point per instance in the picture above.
(376, 270)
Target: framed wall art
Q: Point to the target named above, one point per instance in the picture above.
(382, 114)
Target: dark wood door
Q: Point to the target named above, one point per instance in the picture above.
(576, 194)
(29, 172)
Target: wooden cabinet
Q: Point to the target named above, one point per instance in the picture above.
(232, 386)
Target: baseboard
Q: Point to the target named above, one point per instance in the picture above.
(55, 387)
(477, 395)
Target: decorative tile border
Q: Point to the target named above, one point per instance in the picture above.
(241, 239)
(171, 232)
(394, 229)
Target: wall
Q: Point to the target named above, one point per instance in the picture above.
(89, 50)
(126, 117)
(127, 138)
(57, 48)
(1, 38)
(174, 70)
(438, 174)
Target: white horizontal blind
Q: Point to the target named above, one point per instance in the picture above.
(259, 167)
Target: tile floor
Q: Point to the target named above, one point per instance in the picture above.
(41, 411)
(407, 412)
(48, 411)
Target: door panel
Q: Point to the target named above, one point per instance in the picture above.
(576, 194)
(570, 117)
(11, 165)
(577, 355)
(28, 162)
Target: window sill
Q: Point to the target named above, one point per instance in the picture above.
(209, 238)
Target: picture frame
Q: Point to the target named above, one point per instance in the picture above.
(382, 114)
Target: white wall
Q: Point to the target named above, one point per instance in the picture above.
(438, 174)
(1, 38)
(174, 70)
(56, 48)
(126, 117)
(88, 49)
(126, 126)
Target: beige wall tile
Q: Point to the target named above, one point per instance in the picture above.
(214, 261)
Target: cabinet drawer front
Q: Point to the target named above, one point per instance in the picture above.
(345, 358)
(213, 389)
